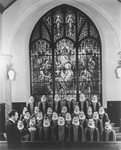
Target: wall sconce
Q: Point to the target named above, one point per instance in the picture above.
(11, 73)
(118, 68)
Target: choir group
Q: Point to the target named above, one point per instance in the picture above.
(66, 120)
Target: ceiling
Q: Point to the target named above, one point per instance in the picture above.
(4, 4)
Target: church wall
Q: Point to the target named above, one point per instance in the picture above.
(19, 20)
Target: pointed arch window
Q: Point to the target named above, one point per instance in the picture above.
(65, 55)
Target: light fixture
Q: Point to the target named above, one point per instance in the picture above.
(118, 68)
(11, 73)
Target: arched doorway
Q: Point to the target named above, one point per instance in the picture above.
(65, 55)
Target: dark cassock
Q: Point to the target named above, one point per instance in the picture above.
(62, 102)
(95, 104)
(49, 113)
(36, 110)
(68, 123)
(34, 132)
(39, 121)
(91, 132)
(43, 104)
(98, 123)
(61, 130)
(103, 116)
(46, 130)
(83, 103)
(56, 104)
(54, 123)
(69, 103)
(31, 105)
(108, 133)
(50, 103)
(23, 113)
(82, 119)
(89, 113)
(77, 131)
(76, 111)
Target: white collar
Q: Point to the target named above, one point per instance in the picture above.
(11, 120)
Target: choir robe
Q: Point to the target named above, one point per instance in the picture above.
(61, 133)
(39, 126)
(104, 117)
(34, 135)
(31, 107)
(77, 133)
(108, 135)
(70, 108)
(68, 126)
(46, 134)
(50, 103)
(83, 105)
(92, 134)
(54, 129)
(83, 122)
(26, 123)
(43, 107)
(57, 107)
(95, 106)
(99, 125)
(62, 103)
(89, 116)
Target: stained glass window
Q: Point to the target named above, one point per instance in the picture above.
(65, 55)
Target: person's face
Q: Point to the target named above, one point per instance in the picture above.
(95, 116)
(82, 97)
(33, 120)
(81, 115)
(54, 116)
(107, 125)
(61, 121)
(49, 111)
(64, 109)
(89, 111)
(39, 116)
(91, 123)
(24, 110)
(94, 98)
(31, 98)
(36, 109)
(75, 121)
(101, 110)
(27, 115)
(16, 116)
(20, 124)
(76, 109)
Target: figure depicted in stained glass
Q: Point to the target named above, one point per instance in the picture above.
(70, 24)
(58, 23)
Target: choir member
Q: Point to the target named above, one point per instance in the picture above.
(43, 104)
(49, 113)
(77, 132)
(63, 111)
(50, 102)
(33, 129)
(82, 119)
(95, 104)
(54, 124)
(68, 123)
(23, 113)
(69, 103)
(108, 133)
(31, 105)
(76, 111)
(61, 130)
(103, 115)
(63, 102)
(98, 123)
(83, 103)
(36, 111)
(91, 132)
(24, 131)
(56, 104)
(89, 113)
(39, 121)
(26, 119)
(47, 134)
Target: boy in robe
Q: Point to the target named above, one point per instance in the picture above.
(76, 111)
(26, 119)
(89, 113)
(108, 133)
(83, 103)
(61, 130)
(98, 123)
(46, 130)
(43, 104)
(63, 102)
(77, 132)
(95, 104)
(82, 119)
(56, 104)
(31, 105)
(36, 111)
(91, 132)
(63, 111)
(103, 116)
(33, 129)
(23, 113)
(54, 123)
(39, 121)
(68, 123)
(69, 103)
(49, 113)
